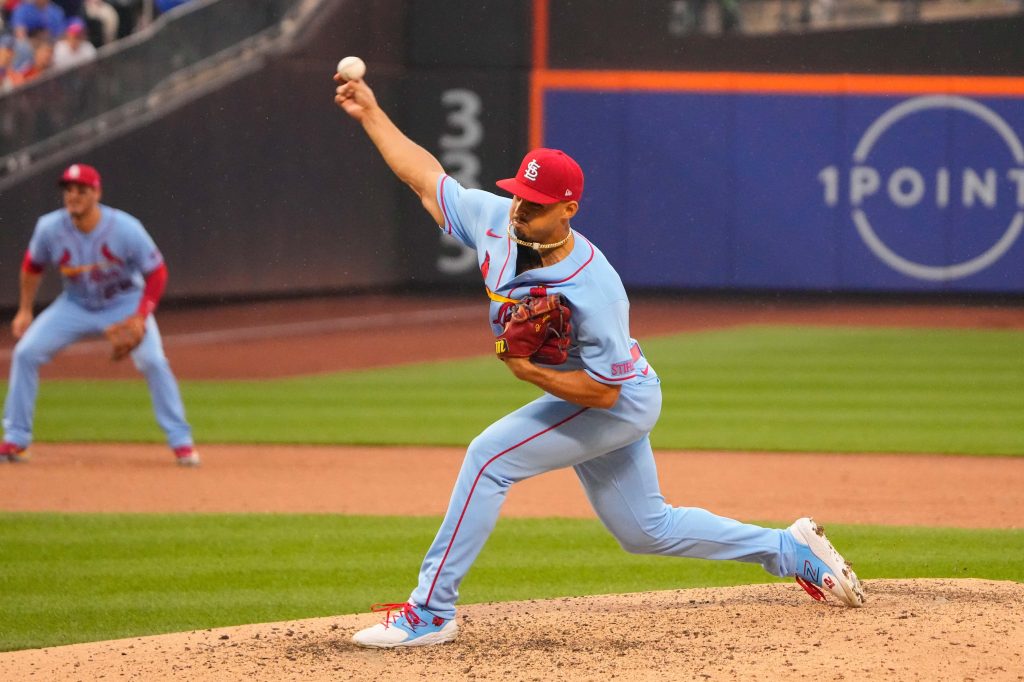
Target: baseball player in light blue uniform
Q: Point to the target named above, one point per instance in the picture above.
(111, 271)
(598, 409)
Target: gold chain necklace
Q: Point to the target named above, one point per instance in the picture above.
(537, 246)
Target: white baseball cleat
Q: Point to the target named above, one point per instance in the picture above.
(406, 625)
(820, 568)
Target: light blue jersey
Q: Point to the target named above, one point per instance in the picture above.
(601, 344)
(101, 267)
(609, 449)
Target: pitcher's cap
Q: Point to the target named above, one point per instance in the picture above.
(546, 176)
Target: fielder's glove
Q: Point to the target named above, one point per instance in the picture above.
(126, 335)
(537, 328)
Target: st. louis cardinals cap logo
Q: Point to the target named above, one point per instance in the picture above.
(531, 170)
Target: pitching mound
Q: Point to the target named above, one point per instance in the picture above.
(920, 629)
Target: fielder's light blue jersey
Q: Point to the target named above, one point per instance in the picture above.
(601, 344)
(100, 267)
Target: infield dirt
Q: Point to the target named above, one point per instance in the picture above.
(909, 630)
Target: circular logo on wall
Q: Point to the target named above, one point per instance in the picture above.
(958, 132)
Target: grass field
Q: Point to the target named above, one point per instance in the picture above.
(71, 578)
(754, 388)
(66, 578)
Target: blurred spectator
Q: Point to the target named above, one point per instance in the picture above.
(9, 76)
(42, 62)
(6, 8)
(104, 16)
(128, 13)
(73, 48)
(32, 17)
(24, 53)
(162, 6)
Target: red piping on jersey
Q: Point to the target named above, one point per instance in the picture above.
(566, 279)
(444, 207)
(580, 267)
(469, 497)
(508, 255)
(30, 266)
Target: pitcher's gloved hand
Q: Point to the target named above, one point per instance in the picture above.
(537, 328)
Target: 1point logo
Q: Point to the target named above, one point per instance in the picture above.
(941, 189)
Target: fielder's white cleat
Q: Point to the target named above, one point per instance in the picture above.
(820, 568)
(406, 625)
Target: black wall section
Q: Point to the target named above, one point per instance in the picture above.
(470, 33)
(265, 187)
(635, 34)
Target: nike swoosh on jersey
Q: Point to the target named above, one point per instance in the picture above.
(491, 234)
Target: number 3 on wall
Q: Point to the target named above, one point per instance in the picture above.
(460, 160)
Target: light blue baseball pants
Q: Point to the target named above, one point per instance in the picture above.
(611, 453)
(65, 322)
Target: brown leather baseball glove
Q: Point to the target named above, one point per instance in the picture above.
(537, 328)
(126, 335)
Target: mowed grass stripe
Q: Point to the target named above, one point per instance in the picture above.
(72, 578)
(812, 389)
(842, 389)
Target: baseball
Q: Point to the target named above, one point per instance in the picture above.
(352, 68)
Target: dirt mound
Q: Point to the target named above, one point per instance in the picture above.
(920, 629)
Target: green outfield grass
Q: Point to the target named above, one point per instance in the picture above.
(753, 388)
(84, 577)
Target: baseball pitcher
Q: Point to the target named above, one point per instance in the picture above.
(560, 316)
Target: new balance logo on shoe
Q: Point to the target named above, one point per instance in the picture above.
(821, 566)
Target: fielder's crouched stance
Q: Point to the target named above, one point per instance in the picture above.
(561, 317)
(113, 276)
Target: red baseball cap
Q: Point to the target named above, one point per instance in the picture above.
(80, 174)
(546, 176)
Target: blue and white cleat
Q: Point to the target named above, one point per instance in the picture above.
(820, 568)
(406, 625)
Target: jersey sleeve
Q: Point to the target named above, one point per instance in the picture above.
(462, 209)
(40, 247)
(605, 346)
(142, 252)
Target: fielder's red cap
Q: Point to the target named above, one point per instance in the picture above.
(80, 174)
(546, 176)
